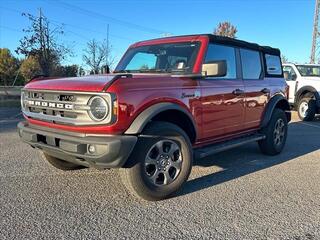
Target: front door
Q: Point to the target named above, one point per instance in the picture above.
(291, 79)
(222, 98)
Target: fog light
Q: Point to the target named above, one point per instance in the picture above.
(91, 149)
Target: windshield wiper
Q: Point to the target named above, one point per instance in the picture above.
(153, 71)
(122, 71)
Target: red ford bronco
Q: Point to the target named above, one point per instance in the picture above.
(169, 100)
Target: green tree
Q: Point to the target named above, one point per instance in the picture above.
(41, 42)
(225, 29)
(30, 67)
(9, 66)
(66, 71)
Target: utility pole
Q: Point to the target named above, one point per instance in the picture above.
(108, 36)
(108, 51)
(315, 32)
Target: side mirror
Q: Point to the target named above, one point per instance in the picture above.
(214, 69)
(293, 77)
(286, 75)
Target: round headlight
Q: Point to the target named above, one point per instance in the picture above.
(99, 108)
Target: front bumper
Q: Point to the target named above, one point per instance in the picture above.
(111, 151)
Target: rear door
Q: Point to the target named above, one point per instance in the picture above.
(256, 87)
(222, 98)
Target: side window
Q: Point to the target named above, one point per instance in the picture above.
(142, 61)
(251, 64)
(217, 53)
(289, 74)
(273, 64)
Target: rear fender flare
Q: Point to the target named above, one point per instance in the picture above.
(272, 105)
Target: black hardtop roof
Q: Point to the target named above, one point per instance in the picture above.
(244, 44)
(234, 42)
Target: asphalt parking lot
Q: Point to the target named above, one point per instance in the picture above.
(238, 194)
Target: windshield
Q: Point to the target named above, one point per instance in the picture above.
(160, 58)
(309, 71)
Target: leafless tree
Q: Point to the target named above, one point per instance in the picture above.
(98, 56)
(284, 59)
(41, 42)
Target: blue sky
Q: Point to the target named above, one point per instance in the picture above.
(285, 24)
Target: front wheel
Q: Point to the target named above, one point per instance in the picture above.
(160, 163)
(306, 109)
(275, 133)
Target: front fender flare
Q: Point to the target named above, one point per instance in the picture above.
(145, 116)
(308, 89)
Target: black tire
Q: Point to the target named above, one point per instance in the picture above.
(275, 138)
(60, 164)
(306, 115)
(138, 176)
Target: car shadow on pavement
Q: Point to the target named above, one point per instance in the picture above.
(9, 118)
(247, 159)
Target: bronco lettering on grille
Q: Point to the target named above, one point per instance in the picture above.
(33, 103)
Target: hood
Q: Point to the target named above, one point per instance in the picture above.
(92, 83)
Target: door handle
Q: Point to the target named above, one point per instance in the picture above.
(237, 92)
(265, 91)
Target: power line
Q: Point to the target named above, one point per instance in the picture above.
(77, 27)
(108, 18)
(11, 29)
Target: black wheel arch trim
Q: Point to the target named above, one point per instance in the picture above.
(303, 89)
(146, 115)
(271, 106)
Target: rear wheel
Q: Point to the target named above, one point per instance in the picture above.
(306, 109)
(275, 132)
(60, 164)
(160, 163)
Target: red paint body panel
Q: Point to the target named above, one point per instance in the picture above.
(218, 113)
(90, 83)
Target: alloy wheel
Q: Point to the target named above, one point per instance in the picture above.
(163, 162)
(279, 132)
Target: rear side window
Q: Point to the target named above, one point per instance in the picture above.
(251, 64)
(273, 64)
(218, 53)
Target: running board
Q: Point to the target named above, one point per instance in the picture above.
(220, 147)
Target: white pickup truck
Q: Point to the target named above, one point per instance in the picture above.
(304, 88)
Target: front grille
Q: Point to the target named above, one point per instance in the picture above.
(70, 108)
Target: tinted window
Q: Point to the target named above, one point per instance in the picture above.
(160, 58)
(251, 64)
(273, 64)
(309, 70)
(218, 53)
(142, 61)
